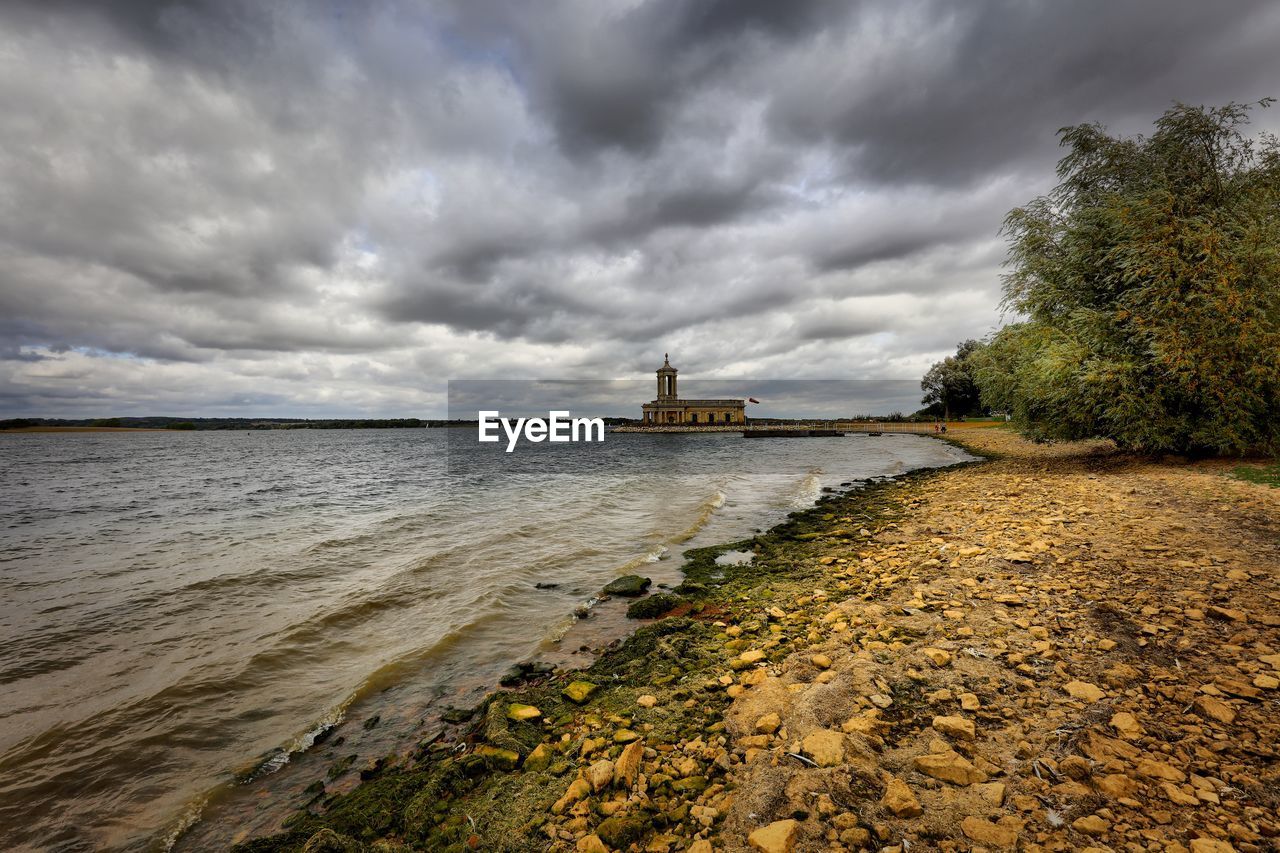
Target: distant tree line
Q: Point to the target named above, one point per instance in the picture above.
(1147, 286)
(158, 422)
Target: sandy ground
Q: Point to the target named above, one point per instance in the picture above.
(1064, 649)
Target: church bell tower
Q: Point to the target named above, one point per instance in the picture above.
(666, 379)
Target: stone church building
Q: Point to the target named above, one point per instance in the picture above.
(670, 409)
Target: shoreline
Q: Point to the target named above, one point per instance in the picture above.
(760, 685)
(688, 604)
(47, 429)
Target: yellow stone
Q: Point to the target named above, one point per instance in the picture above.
(950, 767)
(1126, 725)
(540, 758)
(777, 837)
(591, 844)
(578, 692)
(983, 831)
(899, 799)
(599, 775)
(521, 713)
(1153, 769)
(939, 657)
(825, 747)
(1084, 691)
(955, 726)
(578, 789)
(1090, 825)
(1214, 709)
(768, 724)
(627, 768)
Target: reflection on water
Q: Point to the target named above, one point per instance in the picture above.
(178, 606)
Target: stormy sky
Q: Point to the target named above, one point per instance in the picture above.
(321, 209)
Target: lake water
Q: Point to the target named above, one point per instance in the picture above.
(175, 606)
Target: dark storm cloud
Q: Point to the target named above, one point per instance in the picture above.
(611, 78)
(980, 86)
(309, 204)
(182, 31)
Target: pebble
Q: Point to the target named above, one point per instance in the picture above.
(956, 727)
(1003, 834)
(1090, 825)
(768, 724)
(949, 767)
(520, 713)
(938, 657)
(899, 799)
(1084, 691)
(777, 837)
(825, 747)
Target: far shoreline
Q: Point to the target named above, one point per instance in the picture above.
(54, 429)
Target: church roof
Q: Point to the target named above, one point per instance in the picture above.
(666, 364)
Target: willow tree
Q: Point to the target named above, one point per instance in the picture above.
(1149, 280)
(950, 387)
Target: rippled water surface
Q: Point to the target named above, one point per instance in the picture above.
(175, 606)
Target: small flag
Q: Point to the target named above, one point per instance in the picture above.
(752, 400)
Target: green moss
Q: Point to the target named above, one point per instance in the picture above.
(654, 606)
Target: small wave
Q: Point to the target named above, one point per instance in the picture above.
(189, 817)
(561, 627)
(280, 757)
(653, 555)
(381, 678)
(705, 511)
(808, 490)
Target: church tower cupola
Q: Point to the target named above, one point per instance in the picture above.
(667, 379)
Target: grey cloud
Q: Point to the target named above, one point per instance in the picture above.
(990, 83)
(261, 200)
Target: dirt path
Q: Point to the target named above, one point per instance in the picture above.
(1063, 649)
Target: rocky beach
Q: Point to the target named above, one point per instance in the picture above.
(1060, 648)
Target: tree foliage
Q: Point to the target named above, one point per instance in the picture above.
(1149, 280)
(950, 387)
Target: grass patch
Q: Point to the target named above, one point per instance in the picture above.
(1265, 475)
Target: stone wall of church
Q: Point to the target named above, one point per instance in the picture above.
(692, 415)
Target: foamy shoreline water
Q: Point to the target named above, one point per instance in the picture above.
(349, 566)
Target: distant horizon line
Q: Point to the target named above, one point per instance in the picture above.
(408, 422)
